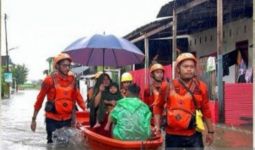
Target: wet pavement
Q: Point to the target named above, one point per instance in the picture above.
(15, 133)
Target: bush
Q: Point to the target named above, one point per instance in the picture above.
(29, 86)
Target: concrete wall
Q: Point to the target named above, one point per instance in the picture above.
(204, 42)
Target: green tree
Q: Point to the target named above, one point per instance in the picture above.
(20, 73)
(3, 84)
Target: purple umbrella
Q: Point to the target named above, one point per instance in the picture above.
(104, 50)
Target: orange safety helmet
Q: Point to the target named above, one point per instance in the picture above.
(60, 57)
(156, 67)
(185, 56)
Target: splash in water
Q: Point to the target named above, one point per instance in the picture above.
(68, 137)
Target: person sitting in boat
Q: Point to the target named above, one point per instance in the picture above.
(102, 86)
(126, 80)
(109, 100)
(91, 89)
(130, 117)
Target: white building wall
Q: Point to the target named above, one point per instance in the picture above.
(205, 42)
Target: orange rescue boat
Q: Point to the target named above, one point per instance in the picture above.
(96, 141)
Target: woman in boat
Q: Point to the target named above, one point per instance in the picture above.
(109, 100)
(91, 89)
(101, 87)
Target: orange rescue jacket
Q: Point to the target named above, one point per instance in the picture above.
(149, 97)
(178, 97)
(62, 91)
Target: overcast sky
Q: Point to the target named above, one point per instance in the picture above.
(43, 28)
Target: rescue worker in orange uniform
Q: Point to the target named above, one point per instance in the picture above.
(185, 94)
(62, 96)
(126, 80)
(158, 83)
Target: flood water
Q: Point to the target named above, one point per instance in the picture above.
(15, 117)
(15, 132)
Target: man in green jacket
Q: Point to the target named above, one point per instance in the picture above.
(130, 117)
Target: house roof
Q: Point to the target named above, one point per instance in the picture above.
(204, 15)
(194, 16)
(148, 27)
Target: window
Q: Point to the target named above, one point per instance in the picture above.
(195, 42)
(200, 40)
(244, 29)
(211, 38)
(230, 32)
(205, 39)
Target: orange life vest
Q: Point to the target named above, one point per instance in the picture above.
(64, 102)
(180, 106)
(179, 111)
(149, 97)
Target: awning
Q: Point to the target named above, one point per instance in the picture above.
(79, 70)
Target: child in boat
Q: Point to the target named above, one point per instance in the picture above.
(130, 117)
(109, 101)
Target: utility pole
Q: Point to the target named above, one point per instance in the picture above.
(220, 60)
(174, 31)
(146, 64)
(7, 54)
(6, 42)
